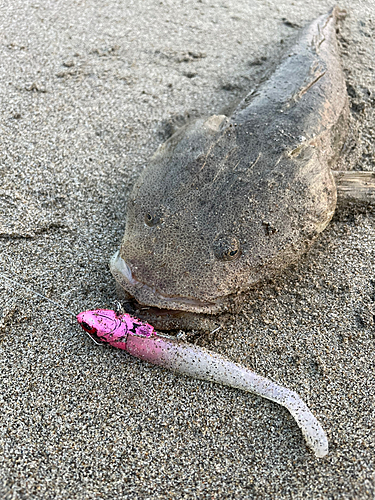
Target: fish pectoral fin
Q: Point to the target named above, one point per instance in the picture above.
(355, 187)
(194, 136)
(214, 122)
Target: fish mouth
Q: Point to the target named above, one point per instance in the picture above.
(149, 296)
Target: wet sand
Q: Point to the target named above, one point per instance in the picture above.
(87, 91)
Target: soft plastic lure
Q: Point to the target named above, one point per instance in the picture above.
(139, 339)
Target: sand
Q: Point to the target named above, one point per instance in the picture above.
(87, 89)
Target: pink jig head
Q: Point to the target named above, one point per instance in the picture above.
(107, 326)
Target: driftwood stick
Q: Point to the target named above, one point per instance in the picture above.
(355, 187)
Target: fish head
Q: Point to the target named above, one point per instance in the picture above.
(191, 269)
(184, 248)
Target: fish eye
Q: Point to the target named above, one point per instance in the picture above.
(86, 326)
(227, 248)
(148, 219)
(152, 219)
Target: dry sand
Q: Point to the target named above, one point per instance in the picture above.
(85, 89)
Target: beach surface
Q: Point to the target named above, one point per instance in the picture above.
(87, 93)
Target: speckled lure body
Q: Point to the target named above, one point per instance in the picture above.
(139, 339)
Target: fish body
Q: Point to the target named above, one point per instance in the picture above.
(228, 202)
(140, 340)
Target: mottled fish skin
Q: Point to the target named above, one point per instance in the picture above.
(225, 202)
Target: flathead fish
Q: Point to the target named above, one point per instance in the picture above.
(227, 202)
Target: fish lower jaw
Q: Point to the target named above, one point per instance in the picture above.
(149, 296)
